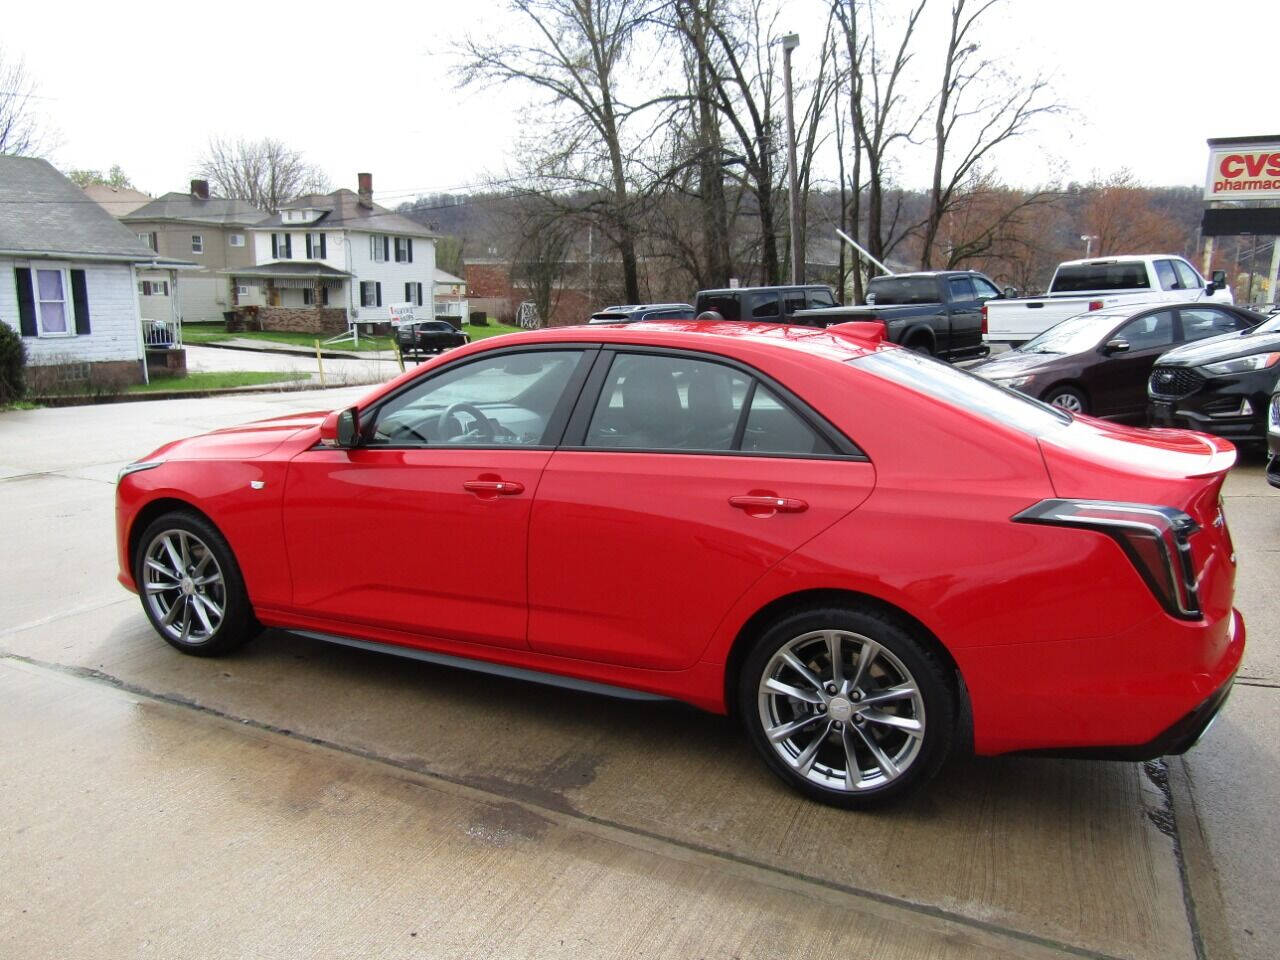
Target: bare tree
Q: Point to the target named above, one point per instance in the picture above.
(539, 265)
(23, 132)
(880, 110)
(576, 52)
(265, 172)
(978, 108)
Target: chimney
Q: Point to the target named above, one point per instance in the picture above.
(200, 189)
(366, 189)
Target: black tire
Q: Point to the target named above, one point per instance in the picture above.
(193, 537)
(1068, 397)
(922, 345)
(827, 779)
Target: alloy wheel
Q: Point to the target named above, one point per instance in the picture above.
(841, 710)
(1068, 401)
(184, 587)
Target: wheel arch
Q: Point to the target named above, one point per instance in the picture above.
(779, 607)
(920, 333)
(1067, 382)
(156, 508)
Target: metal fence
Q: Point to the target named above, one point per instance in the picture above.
(162, 334)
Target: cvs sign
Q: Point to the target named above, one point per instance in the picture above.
(1243, 170)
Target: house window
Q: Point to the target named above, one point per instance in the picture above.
(316, 247)
(242, 290)
(151, 240)
(236, 239)
(404, 250)
(281, 246)
(308, 297)
(413, 293)
(52, 309)
(197, 243)
(370, 293)
(154, 288)
(378, 245)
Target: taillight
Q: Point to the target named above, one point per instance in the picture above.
(1096, 304)
(1156, 539)
(984, 319)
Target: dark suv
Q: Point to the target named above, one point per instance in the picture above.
(634, 313)
(768, 304)
(428, 336)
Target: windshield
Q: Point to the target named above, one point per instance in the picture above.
(1101, 276)
(1074, 335)
(886, 291)
(959, 388)
(1270, 325)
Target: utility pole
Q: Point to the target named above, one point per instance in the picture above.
(789, 43)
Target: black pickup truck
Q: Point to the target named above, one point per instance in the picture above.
(939, 312)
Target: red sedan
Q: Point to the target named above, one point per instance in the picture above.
(864, 554)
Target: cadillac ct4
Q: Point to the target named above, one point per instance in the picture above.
(865, 555)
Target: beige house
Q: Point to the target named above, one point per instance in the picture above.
(117, 201)
(211, 232)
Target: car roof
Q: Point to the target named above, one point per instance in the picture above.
(785, 286)
(726, 337)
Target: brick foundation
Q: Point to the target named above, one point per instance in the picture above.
(166, 363)
(325, 320)
(104, 376)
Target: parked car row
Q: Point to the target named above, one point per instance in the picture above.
(1208, 367)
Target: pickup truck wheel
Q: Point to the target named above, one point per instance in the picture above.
(921, 345)
(1068, 398)
(846, 705)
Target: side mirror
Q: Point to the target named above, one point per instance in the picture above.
(1116, 346)
(1011, 293)
(1217, 282)
(341, 429)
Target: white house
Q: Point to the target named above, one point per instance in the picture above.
(326, 260)
(68, 278)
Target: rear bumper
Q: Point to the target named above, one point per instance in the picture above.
(1133, 696)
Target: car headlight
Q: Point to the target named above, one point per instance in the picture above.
(138, 467)
(1256, 361)
(1013, 382)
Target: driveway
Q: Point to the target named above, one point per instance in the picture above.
(301, 799)
(337, 371)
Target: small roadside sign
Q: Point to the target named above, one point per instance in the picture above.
(401, 313)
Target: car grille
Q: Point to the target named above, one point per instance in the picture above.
(1173, 382)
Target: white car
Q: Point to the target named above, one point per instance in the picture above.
(1079, 286)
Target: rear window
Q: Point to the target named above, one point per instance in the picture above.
(725, 304)
(968, 391)
(1088, 277)
(893, 291)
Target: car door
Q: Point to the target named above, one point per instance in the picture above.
(964, 312)
(682, 479)
(1117, 383)
(423, 526)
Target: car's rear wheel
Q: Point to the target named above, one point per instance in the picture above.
(191, 587)
(1068, 398)
(846, 705)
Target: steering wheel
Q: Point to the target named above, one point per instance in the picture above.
(482, 423)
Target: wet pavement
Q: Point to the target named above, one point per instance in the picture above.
(299, 798)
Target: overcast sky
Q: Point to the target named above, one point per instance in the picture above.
(370, 86)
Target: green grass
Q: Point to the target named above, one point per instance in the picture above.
(198, 333)
(492, 330)
(216, 380)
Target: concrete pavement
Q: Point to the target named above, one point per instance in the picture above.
(300, 799)
(337, 371)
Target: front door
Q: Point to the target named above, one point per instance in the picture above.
(423, 527)
(689, 481)
(1118, 385)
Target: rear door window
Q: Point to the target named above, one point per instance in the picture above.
(1202, 322)
(764, 305)
(961, 289)
(792, 300)
(819, 298)
(773, 427)
(1167, 275)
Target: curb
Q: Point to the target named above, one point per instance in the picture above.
(303, 352)
(294, 387)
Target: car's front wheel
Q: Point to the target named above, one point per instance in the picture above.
(1068, 398)
(847, 705)
(191, 587)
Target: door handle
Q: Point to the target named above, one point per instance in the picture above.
(766, 505)
(503, 488)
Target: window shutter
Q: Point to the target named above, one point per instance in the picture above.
(288, 246)
(409, 248)
(386, 248)
(323, 253)
(155, 242)
(377, 289)
(309, 246)
(80, 300)
(275, 246)
(419, 294)
(408, 292)
(26, 302)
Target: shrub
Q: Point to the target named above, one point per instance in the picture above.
(13, 361)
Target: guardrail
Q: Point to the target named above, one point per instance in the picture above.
(162, 334)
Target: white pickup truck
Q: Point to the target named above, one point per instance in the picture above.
(1079, 286)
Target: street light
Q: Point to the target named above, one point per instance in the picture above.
(789, 43)
(1088, 244)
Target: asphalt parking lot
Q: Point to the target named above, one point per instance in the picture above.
(301, 799)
